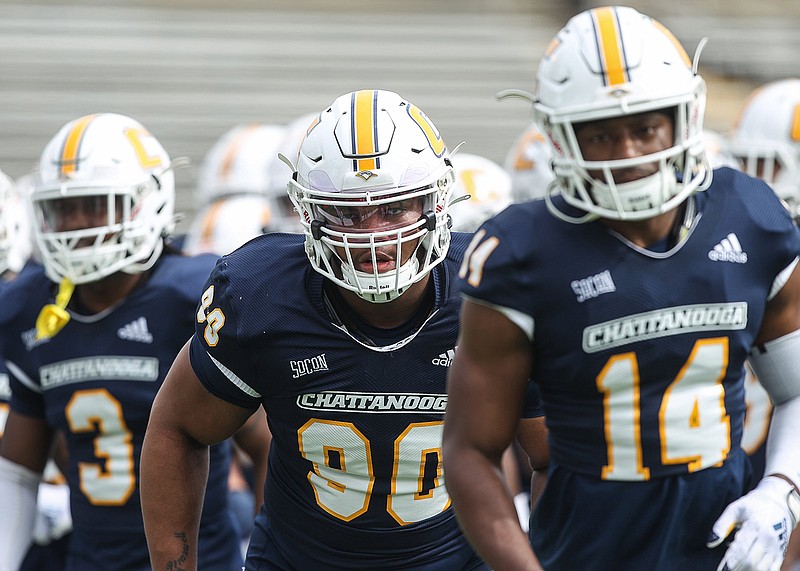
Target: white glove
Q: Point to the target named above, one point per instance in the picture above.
(53, 519)
(764, 519)
(522, 503)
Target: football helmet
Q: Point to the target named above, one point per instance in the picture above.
(228, 222)
(238, 162)
(612, 62)
(528, 164)
(16, 238)
(766, 138)
(373, 175)
(114, 164)
(280, 172)
(484, 188)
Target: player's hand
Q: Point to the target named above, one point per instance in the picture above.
(763, 521)
(53, 519)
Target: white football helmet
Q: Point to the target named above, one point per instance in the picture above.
(114, 160)
(528, 163)
(16, 242)
(238, 162)
(372, 149)
(280, 173)
(766, 138)
(228, 222)
(487, 185)
(611, 62)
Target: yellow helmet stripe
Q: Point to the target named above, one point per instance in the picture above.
(72, 145)
(364, 128)
(795, 135)
(609, 45)
(210, 222)
(233, 149)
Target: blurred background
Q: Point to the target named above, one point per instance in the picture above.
(189, 70)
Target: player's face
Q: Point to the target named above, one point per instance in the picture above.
(371, 220)
(80, 213)
(625, 138)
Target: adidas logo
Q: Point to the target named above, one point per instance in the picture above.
(136, 331)
(444, 359)
(728, 250)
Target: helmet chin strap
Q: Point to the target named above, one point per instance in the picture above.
(636, 195)
(385, 292)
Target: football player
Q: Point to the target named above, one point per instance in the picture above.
(528, 163)
(482, 189)
(765, 140)
(632, 295)
(238, 201)
(89, 337)
(53, 521)
(348, 355)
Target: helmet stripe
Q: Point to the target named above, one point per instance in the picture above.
(365, 128)
(210, 221)
(795, 134)
(233, 149)
(609, 46)
(72, 145)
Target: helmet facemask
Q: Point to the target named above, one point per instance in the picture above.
(337, 247)
(125, 241)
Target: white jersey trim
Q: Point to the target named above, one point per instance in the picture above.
(781, 279)
(23, 378)
(232, 377)
(518, 318)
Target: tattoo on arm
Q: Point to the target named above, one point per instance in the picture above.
(177, 564)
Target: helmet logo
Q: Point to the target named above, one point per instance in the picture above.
(366, 175)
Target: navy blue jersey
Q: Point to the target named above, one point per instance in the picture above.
(95, 381)
(640, 355)
(355, 475)
(5, 385)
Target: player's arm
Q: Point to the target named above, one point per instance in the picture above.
(765, 517)
(254, 439)
(532, 437)
(486, 388)
(23, 455)
(185, 420)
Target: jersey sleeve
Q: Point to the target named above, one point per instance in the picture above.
(26, 394)
(217, 354)
(494, 273)
(532, 406)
